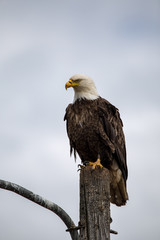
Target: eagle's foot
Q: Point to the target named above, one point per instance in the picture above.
(96, 164)
(80, 166)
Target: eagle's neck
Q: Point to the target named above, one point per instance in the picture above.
(85, 91)
(85, 95)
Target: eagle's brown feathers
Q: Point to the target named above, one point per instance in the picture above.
(95, 129)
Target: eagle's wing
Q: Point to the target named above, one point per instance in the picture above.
(113, 128)
(70, 131)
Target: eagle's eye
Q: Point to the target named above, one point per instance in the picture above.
(77, 80)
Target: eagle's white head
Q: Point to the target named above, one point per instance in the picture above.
(84, 87)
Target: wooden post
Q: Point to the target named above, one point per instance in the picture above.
(94, 204)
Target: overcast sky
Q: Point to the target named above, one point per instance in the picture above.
(42, 44)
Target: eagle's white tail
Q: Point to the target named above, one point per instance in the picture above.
(118, 191)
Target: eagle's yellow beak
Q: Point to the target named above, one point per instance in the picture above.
(70, 83)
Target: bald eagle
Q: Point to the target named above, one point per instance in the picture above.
(94, 128)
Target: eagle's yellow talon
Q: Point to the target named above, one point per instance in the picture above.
(95, 164)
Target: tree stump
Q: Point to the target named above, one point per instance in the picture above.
(94, 204)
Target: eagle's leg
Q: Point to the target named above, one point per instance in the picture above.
(96, 164)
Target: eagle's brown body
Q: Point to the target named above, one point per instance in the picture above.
(94, 129)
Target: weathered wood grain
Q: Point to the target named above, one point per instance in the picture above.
(94, 204)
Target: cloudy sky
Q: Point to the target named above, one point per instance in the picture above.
(42, 44)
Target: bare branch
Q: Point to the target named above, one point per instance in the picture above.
(44, 203)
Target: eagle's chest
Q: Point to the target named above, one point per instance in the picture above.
(84, 117)
(83, 125)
